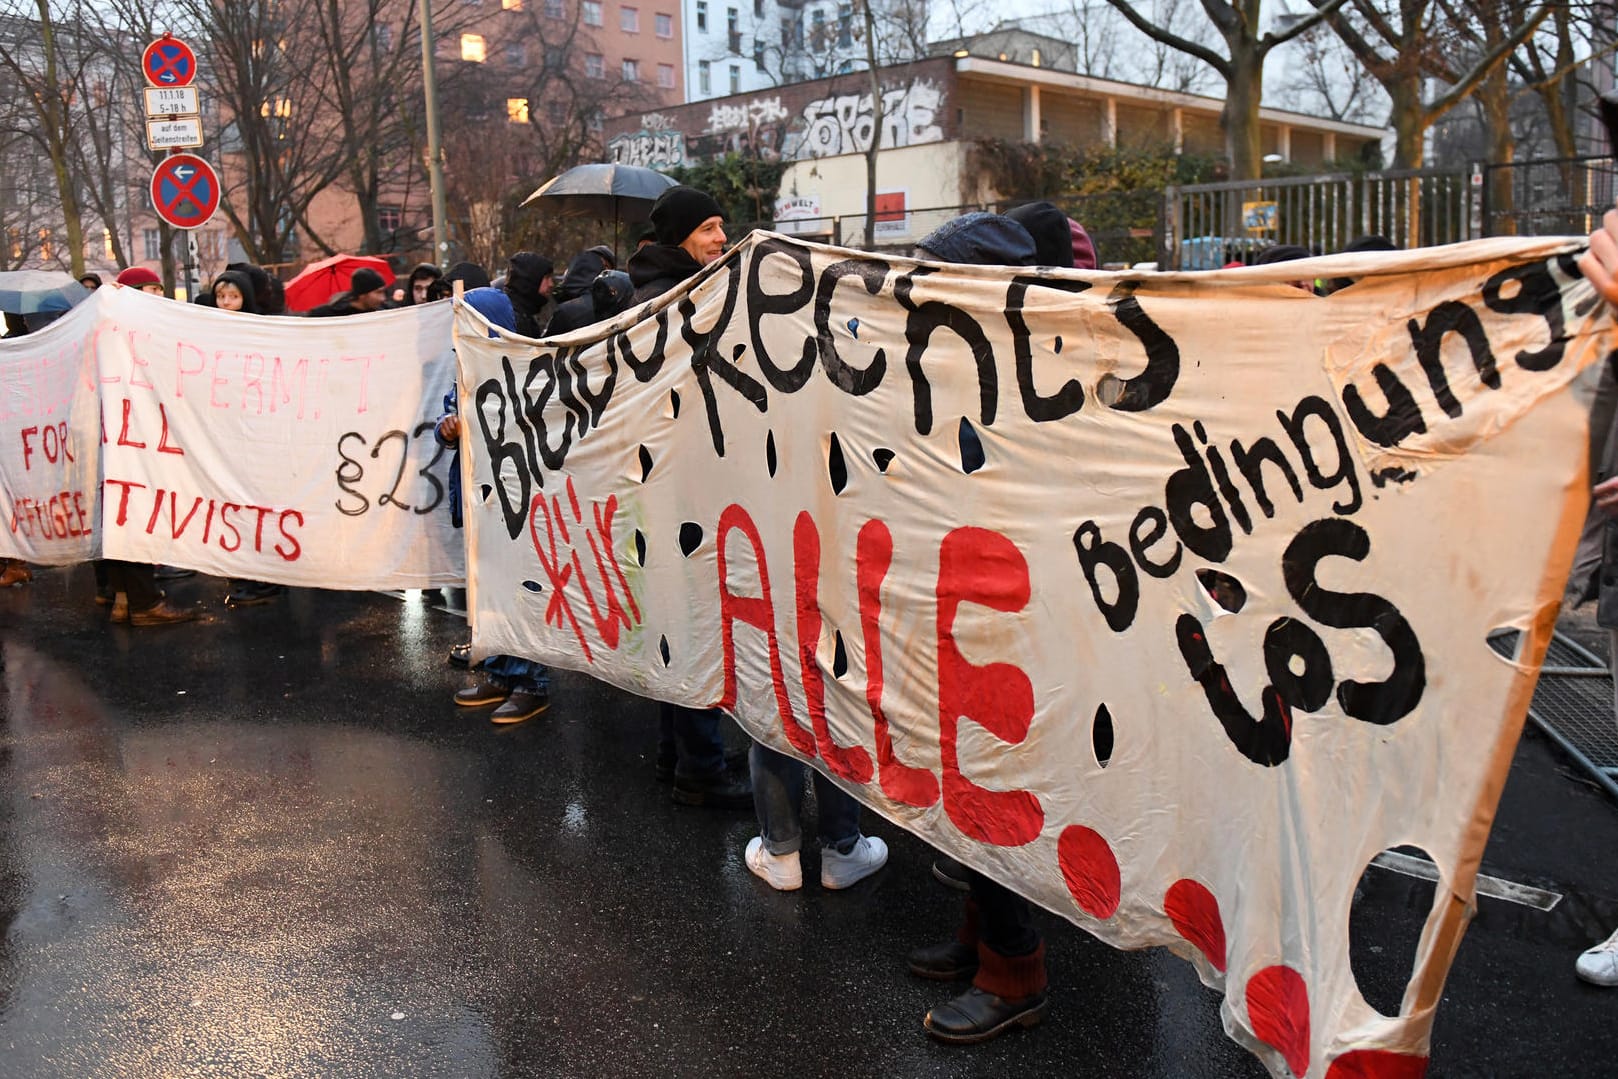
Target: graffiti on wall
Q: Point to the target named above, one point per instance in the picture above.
(844, 124)
(649, 148)
(745, 115)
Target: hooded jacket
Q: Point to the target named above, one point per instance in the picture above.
(585, 268)
(244, 285)
(611, 293)
(528, 270)
(656, 268)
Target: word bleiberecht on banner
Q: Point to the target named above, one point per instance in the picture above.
(1162, 599)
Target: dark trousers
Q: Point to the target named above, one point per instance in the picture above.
(1005, 920)
(135, 581)
(690, 737)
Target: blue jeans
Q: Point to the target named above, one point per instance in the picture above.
(521, 675)
(690, 738)
(778, 800)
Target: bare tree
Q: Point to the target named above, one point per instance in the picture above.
(1330, 80)
(1241, 65)
(1405, 44)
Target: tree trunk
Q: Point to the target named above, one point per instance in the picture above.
(1244, 91)
(53, 107)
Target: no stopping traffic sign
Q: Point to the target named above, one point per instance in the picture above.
(169, 61)
(185, 191)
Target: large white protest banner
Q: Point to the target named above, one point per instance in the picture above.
(297, 451)
(1162, 599)
(49, 448)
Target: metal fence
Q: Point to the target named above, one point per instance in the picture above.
(1548, 197)
(1205, 226)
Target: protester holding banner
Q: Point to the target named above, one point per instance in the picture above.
(521, 687)
(997, 946)
(1599, 965)
(690, 231)
(417, 286)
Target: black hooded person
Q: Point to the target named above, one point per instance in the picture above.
(997, 946)
(528, 286)
(469, 274)
(690, 230)
(418, 285)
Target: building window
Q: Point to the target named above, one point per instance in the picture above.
(631, 70)
(517, 110)
(758, 53)
(553, 8)
(758, 9)
(665, 76)
(735, 78)
(152, 241)
(472, 48)
(511, 5)
(787, 35)
(595, 66)
(516, 54)
(817, 31)
(592, 12)
(704, 77)
(665, 25)
(106, 245)
(390, 218)
(555, 58)
(702, 15)
(733, 29)
(45, 249)
(845, 25)
(629, 20)
(384, 37)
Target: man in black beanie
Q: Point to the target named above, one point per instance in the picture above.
(366, 293)
(528, 286)
(691, 750)
(690, 229)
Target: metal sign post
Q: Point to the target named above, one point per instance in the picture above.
(185, 189)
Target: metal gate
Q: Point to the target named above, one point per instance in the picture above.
(1207, 225)
(1548, 197)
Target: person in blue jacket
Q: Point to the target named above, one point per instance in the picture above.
(520, 687)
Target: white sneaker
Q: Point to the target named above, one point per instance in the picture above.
(1599, 965)
(846, 870)
(780, 871)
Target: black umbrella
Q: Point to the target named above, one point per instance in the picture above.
(620, 193)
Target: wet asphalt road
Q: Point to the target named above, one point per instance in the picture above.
(268, 845)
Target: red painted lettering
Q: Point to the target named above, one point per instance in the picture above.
(758, 612)
(851, 763)
(900, 781)
(978, 566)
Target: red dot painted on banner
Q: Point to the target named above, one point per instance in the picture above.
(1090, 869)
(1377, 1064)
(1278, 1007)
(1195, 913)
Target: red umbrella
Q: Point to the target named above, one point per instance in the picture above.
(322, 280)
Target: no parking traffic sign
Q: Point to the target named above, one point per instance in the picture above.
(185, 191)
(168, 61)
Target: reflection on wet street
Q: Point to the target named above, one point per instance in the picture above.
(267, 844)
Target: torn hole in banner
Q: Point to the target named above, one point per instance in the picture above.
(645, 457)
(839, 655)
(882, 458)
(690, 538)
(663, 649)
(836, 465)
(770, 460)
(674, 404)
(1102, 735)
(972, 456)
(1109, 389)
(640, 548)
(533, 586)
(1225, 590)
(1386, 916)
